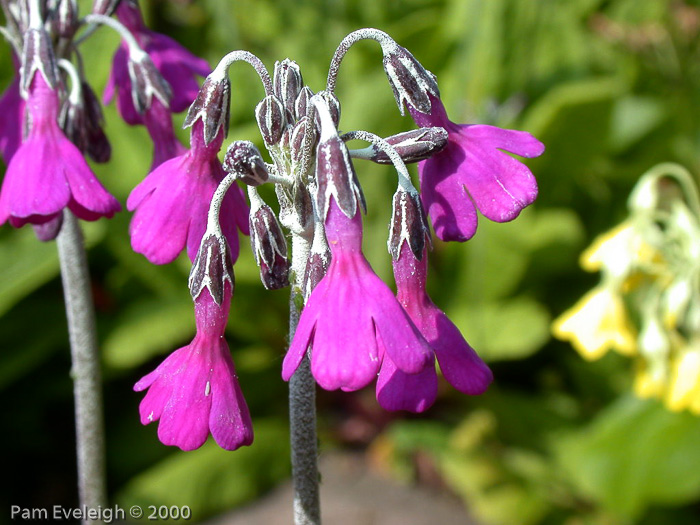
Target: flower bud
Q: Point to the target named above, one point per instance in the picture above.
(333, 107)
(211, 268)
(408, 223)
(412, 146)
(335, 173)
(287, 83)
(269, 247)
(244, 160)
(38, 55)
(146, 81)
(211, 106)
(318, 261)
(302, 140)
(65, 18)
(410, 81)
(82, 122)
(302, 102)
(270, 114)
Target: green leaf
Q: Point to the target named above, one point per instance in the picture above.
(28, 263)
(211, 480)
(512, 329)
(149, 328)
(634, 454)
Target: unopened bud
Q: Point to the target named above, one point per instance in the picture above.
(146, 82)
(335, 173)
(287, 81)
(410, 81)
(333, 107)
(270, 114)
(65, 18)
(244, 161)
(269, 247)
(302, 102)
(302, 140)
(211, 268)
(412, 146)
(408, 223)
(211, 106)
(82, 123)
(38, 55)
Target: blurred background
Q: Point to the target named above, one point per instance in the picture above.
(611, 87)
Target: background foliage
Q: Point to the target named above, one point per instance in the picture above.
(610, 86)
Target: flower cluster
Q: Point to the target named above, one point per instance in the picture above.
(352, 328)
(647, 306)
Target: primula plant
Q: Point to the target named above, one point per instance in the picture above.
(348, 329)
(647, 305)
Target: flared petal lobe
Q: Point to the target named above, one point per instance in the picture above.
(474, 171)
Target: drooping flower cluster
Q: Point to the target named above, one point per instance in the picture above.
(352, 328)
(647, 304)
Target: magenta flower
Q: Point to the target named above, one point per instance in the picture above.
(172, 202)
(352, 319)
(12, 107)
(195, 392)
(471, 172)
(459, 364)
(48, 173)
(159, 123)
(178, 66)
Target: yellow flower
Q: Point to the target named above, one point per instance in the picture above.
(596, 324)
(620, 252)
(684, 388)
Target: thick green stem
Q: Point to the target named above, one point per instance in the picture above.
(302, 410)
(85, 371)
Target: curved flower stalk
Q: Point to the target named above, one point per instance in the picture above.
(195, 392)
(172, 202)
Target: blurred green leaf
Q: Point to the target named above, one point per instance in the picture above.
(149, 328)
(210, 480)
(509, 329)
(28, 263)
(635, 453)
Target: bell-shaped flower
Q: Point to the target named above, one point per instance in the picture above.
(409, 240)
(459, 363)
(596, 324)
(352, 320)
(474, 172)
(684, 384)
(178, 66)
(172, 202)
(47, 172)
(195, 392)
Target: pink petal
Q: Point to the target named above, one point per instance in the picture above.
(229, 420)
(397, 390)
(500, 185)
(447, 202)
(35, 183)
